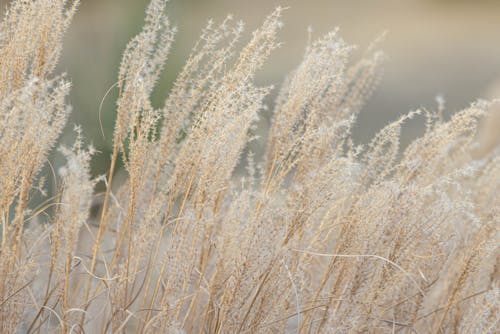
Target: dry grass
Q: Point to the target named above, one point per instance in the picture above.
(320, 235)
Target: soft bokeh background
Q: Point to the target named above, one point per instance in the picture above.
(436, 47)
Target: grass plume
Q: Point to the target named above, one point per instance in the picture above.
(320, 235)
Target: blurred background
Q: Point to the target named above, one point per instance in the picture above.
(435, 47)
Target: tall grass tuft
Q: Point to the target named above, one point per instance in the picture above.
(320, 235)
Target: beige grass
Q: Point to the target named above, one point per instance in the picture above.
(320, 236)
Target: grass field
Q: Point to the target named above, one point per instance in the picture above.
(198, 233)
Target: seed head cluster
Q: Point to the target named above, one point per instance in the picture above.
(318, 235)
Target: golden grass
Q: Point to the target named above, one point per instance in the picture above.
(320, 236)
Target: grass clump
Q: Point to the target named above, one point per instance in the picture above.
(320, 235)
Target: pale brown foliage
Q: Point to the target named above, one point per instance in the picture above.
(320, 235)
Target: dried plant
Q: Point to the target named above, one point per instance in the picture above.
(320, 235)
